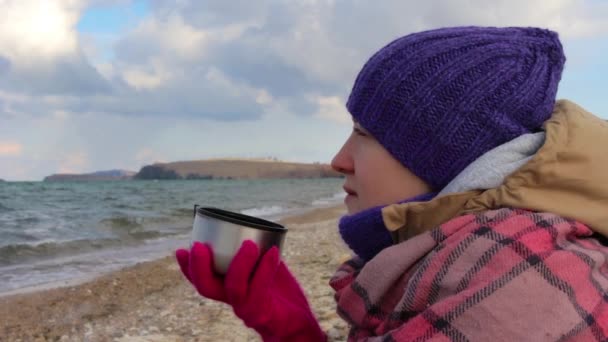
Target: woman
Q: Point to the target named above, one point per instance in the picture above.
(476, 203)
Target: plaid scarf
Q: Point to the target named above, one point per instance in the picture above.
(501, 275)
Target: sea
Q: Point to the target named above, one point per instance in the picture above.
(61, 233)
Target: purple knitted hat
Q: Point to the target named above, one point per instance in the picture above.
(439, 99)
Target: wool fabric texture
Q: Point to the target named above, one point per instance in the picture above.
(365, 232)
(439, 99)
(498, 275)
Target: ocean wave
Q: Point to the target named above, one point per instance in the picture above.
(21, 252)
(5, 209)
(18, 253)
(157, 220)
(335, 199)
(143, 228)
(122, 222)
(183, 212)
(264, 211)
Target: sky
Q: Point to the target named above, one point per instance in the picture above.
(88, 85)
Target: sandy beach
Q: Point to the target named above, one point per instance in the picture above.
(151, 301)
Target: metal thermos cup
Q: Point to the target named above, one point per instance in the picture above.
(225, 232)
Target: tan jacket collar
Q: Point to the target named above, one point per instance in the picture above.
(568, 176)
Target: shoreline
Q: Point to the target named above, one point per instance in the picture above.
(148, 301)
(151, 250)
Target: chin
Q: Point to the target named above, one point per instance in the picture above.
(352, 209)
(351, 204)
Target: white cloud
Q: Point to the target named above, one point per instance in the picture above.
(174, 35)
(571, 18)
(106, 69)
(263, 63)
(147, 77)
(40, 49)
(74, 162)
(36, 29)
(10, 149)
(263, 97)
(208, 59)
(332, 108)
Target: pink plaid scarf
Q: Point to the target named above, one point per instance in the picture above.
(501, 275)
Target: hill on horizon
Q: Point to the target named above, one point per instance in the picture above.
(93, 176)
(217, 168)
(235, 169)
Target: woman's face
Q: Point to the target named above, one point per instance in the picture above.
(373, 176)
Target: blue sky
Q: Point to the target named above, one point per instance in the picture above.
(105, 22)
(112, 18)
(90, 85)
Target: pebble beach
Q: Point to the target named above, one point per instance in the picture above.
(151, 301)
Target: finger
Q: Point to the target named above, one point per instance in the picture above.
(183, 259)
(240, 272)
(201, 272)
(267, 269)
(292, 287)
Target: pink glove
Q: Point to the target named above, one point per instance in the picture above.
(267, 297)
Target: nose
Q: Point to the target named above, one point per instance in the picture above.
(343, 161)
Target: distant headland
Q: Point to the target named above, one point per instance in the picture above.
(210, 169)
(93, 176)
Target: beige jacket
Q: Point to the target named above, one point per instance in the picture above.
(568, 176)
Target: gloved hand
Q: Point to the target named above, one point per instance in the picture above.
(267, 297)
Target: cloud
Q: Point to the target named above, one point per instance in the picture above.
(10, 149)
(233, 60)
(295, 49)
(147, 77)
(74, 162)
(40, 44)
(203, 93)
(38, 29)
(71, 75)
(5, 65)
(331, 108)
(61, 115)
(209, 73)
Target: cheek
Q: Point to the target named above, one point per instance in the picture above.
(370, 176)
(375, 187)
(381, 179)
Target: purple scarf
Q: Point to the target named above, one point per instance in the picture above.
(365, 232)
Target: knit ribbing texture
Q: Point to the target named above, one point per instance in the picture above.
(439, 99)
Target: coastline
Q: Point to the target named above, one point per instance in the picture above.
(151, 301)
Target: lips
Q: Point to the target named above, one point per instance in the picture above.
(349, 191)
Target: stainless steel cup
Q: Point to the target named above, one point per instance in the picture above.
(226, 231)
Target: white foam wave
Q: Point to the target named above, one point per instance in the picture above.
(264, 211)
(335, 199)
